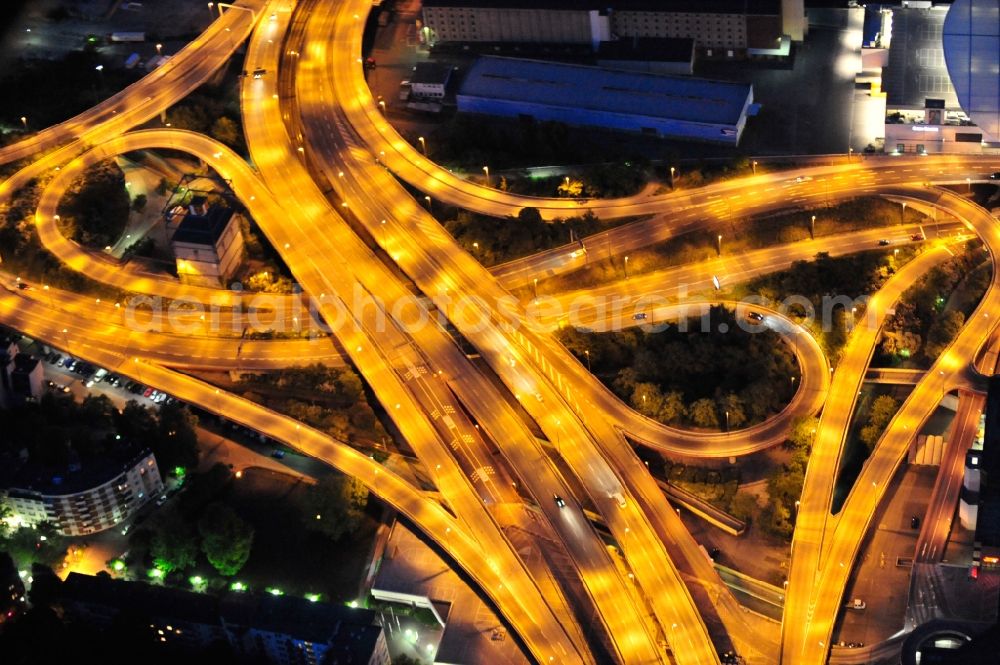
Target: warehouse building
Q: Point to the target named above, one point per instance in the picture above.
(675, 107)
(719, 28)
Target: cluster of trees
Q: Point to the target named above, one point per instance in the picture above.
(694, 378)
(57, 428)
(27, 546)
(201, 523)
(883, 408)
(220, 534)
(503, 239)
(784, 485)
(826, 277)
(932, 312)
(209, 113)
(23, 252)
(334, 506)
(94, 210)
(331, 399)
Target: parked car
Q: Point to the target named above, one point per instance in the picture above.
(883, 242)
(147, 392)
(278, 454)
(559, 501)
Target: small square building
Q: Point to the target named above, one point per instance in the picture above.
(208, 247)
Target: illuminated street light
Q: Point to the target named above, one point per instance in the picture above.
(486, 170)
(423, 145)
(626, 267)
(720, 244)
(24, 121)
(159, 49)
(812, 227)
(753, 165)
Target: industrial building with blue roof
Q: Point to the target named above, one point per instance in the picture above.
(667, 106)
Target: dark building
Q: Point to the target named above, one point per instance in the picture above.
(11, 589)
(259, 628)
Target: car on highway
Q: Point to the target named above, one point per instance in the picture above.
(857, 604)
(259, 73)
(23, 286)
(914, 522)
(641, 316)
(883, 242)
(278, 454)
(995, 176)
(917, 236)
(756, 317)
(803, 178)
(559, 501)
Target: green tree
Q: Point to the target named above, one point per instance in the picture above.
(335, 505)
(139, 203)
(672, 409)
(744, 505)
(883, 408)
(226, 539)
(529, 216)
(803, 432)
(942, 332)
(174, 545)
(703, 413)
(225, 130)
(732, 405)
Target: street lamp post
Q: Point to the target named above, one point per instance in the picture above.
(381, 105)
(587, 353)
(210, 6)
(486, 170)
(812, 228)
(720, 244)
(753, 165)
(24, 121)
(727, 422)
(428, 200)
(536, 288)
(626, 267)
(423, 145)
(672, 177)
(159, 49)
(902, 214)
(968, 181)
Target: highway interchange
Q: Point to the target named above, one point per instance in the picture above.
(318, 192)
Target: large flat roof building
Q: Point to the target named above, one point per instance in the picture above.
(720, 28)
(666, 106)
(923, 111)
(971, 41)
